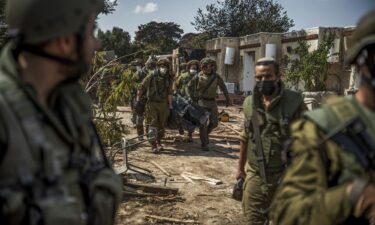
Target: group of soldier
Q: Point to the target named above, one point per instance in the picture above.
(156, 87)
(53, 169)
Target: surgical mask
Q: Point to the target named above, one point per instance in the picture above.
(266, 87)
(193, 72)
(163, 71)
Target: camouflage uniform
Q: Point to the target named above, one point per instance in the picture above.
(52, 167)
(157, 88)
(182, 81)
(274, 128)
(202, 91)
(328, 181)
(137, 76)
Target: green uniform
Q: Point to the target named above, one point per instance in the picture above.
(157, 88)
(203, 89)
(274, 128)
(51, 167)
(181, 84)
(138, 112)
(313, 190)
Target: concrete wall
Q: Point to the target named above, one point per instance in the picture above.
(255, 44)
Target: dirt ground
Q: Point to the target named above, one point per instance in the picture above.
(197, 201)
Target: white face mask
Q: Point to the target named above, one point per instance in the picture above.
(163, 71)
(193, 72)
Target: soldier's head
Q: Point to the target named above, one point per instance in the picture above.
(192, 67)
(151, 63)
(361, 51)
(208, 65)
(163, 66)
(267, 76)
(61, 31)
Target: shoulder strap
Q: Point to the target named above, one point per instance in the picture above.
(258, 146)
(210, 82)
(248, 107)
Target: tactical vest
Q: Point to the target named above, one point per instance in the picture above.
(158, 88)
(335, 112)
(205, 92)
(183, 84)
(49, 176)
(274, 129)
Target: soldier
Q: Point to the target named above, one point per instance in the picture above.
(139, 106)
(331, 176)
(203, 89)
(267, 114)
(150, 64)
(157, 87)
(137, 76)
(52, 167)
(181, 85)
(183, 68)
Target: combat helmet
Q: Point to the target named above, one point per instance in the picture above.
(38, 21)
(207, 61)
(363, 36)
(192, 62)
(163, 61)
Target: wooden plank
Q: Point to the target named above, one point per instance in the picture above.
(170, 220)
(230, 128)
(154, 189)
(160, 168)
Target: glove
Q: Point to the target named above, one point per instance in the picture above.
(238, 190)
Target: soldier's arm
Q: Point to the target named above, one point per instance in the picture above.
(223, 88)
(303, 197)
(144, 85)
(244, 137)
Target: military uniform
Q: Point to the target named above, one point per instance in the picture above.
(313, 190)
(51, 166)
(138, 112)
(274, 128)
(330, 179)
(157, 88)
(203, 90)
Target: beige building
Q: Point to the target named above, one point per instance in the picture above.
(236, 56)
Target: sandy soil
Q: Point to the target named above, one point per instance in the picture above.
(196, 201)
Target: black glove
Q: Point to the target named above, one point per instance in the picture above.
(238, 190)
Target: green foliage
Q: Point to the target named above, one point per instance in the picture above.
(160, 37)
(310, 68)
(117, 40)
(110, 84)
(234, 18)
(194, 41)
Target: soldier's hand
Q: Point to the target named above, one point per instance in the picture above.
(365, 206)
(240, 174)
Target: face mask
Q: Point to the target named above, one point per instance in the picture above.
(163, 71)
(266, 87)
(139, 68)
(193, 72)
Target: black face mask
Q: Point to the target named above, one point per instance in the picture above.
(266, 87)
